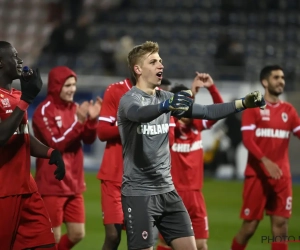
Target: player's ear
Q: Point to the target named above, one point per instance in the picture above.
(137, 69)
(264, 83)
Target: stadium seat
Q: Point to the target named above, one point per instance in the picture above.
(179, 33)
(195, 24)
(197, 49)
(177, 49)
(292, 18)
(252, 19)
(183, 18)
(200, 17)
(215, 17)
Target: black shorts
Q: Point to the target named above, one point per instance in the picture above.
(166, 211)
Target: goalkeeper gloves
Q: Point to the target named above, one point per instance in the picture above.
(57, 160)
(31, 84)
(252, 100)
(180, 101)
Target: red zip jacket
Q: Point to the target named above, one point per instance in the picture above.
(55, 124)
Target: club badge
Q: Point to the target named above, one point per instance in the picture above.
(284, 117)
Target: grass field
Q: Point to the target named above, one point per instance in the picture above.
(223, 204)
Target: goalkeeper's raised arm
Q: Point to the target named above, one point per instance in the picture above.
(222, 110)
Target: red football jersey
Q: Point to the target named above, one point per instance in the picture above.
(266, 133)
(112, 163)
(187, 155)
(15, 177)
(187, 150)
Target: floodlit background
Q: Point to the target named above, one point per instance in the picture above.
(229, 39)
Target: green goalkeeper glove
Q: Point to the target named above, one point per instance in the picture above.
(252, 100)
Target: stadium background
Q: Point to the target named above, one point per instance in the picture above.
(229, 39)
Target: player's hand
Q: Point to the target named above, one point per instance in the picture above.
(272, 168)
(252, 100)
(56, 159)
(180, 101)
(206, 79)
(82, 111)
(197, 84)
(31, 84)
(94, 108)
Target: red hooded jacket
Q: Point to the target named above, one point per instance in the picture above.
(55, 124)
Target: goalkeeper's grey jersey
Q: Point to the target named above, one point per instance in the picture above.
(146, 152)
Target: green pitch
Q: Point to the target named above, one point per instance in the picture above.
(223, 201)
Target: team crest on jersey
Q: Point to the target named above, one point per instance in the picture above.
(247, 211)
(145, 235)
(284, 117)
(265, 114)
(5, 103)
(58, 121)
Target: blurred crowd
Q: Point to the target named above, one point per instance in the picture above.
(232, 57)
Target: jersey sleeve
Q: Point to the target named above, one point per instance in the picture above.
(200, 124)
(295, 122)
(107, 130)
(109, 107)
(89, 133)
(215, 94)
(45, 126)
(127, 102)
(248, 132)
(217, 98)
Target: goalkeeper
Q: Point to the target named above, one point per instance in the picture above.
(148, 194)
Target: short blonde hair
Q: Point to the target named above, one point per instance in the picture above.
(139, 51)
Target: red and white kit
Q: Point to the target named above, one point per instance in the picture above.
(267, 133)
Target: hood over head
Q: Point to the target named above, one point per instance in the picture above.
(56, 80)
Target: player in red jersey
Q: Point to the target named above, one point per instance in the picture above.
(24, 222)
(111, 169)
(267, 184)
(187, 162)
(62, 124)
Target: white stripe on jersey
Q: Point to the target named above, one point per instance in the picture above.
(250, 127)
(127, 84)
(45, 106)
(101, 118)
(45, 119)
(296, 129)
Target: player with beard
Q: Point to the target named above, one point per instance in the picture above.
(268, 184)
(148, 194)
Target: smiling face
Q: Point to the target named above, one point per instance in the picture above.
(150, 69)
(68, 90)
(10, 63)
(275, 83)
